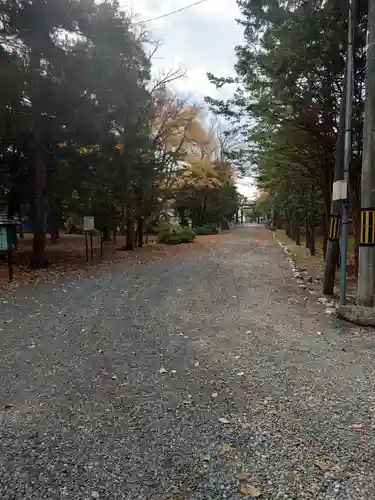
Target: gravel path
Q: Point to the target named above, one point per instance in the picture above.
(193, 377)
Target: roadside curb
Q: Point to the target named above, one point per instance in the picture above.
(359, 315)
(304, 283)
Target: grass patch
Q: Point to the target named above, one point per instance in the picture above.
(314, 265)
(351, 244)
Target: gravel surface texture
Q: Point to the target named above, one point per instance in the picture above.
(204, 375)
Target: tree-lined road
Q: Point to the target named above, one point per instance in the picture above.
(168, 379)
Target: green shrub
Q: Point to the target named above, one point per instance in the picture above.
(207, 229)
(174, 234)
(187, 234)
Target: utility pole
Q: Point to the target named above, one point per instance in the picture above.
(333, 246)
(347, 152)
(341, 175)
(366, 275)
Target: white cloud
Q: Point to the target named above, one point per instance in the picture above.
(201, 39)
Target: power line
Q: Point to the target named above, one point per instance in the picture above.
(171, 13)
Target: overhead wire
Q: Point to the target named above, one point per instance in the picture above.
(171, 13)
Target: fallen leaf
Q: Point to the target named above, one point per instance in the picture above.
(114, 377)
(100, 351)
(206, 458)
(250, 491)
(32, 346)
(173, 490)
(163, 370)
(323, 466)
(240, 374)
(226, 448)
(356, 427)
(330, 311)
(34, 315)
(9, 406)
(224, 420)
(149, 483)
(242, 476)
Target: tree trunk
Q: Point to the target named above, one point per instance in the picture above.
(355, 199)
(39, 243)
(325, 229)
(312, 244)
(140, 232)
(130, 231)
(298, 232)
(307, 234)
(203, 210)
(123, 223)
(55, 235)
(21, 231)
(114, 236)
(292, 229)
(287, 228)
(356, 255)
(106, 234)
(10, 215)
(54, 225)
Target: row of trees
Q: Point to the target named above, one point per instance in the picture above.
(84, 130)
(290, 73)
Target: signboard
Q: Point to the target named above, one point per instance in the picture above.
(3, 239)
(88, 224)
(340, 190)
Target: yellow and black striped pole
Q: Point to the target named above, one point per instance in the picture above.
(334, 228)
(367, 227)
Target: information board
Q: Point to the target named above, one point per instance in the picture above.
(88, 224)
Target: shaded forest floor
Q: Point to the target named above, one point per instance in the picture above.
(68, 255)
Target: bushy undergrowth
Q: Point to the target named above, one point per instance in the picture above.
(209, 228)
(174, 234)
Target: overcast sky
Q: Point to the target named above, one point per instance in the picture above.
(198, 40)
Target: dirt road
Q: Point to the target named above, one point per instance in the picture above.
(203, 375)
